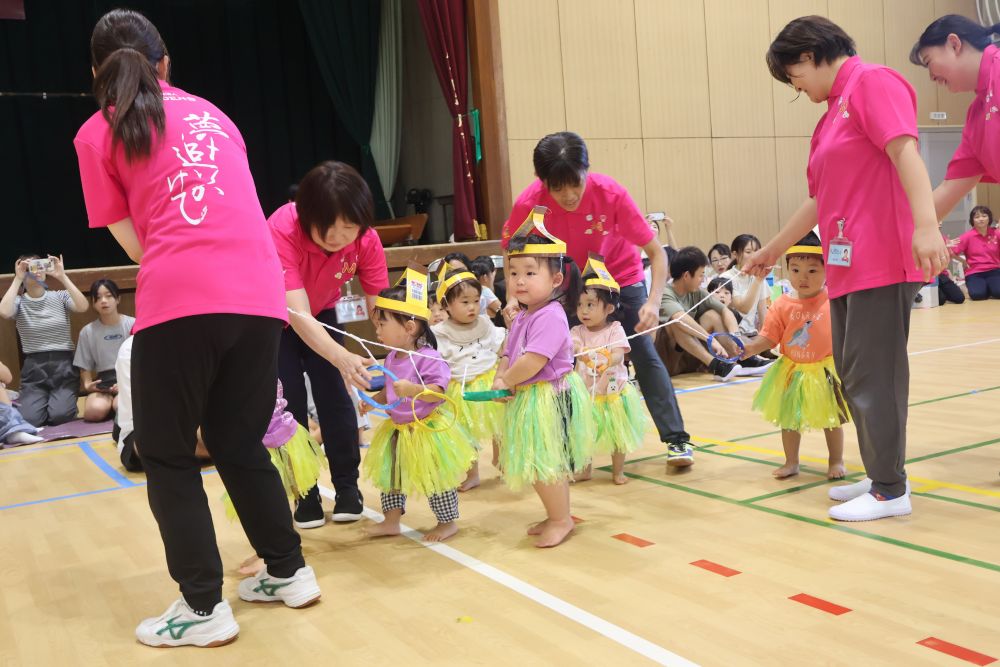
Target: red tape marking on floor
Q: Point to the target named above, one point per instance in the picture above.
(956, 651)
(632, 539)
(576, 519)
(822, 605)
(715, 567)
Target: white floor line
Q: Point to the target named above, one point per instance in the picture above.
(631, 641)
(956, 347)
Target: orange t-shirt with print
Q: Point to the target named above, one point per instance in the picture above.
(802, 326)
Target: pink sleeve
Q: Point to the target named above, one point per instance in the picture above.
(547, 333)
(372, 269)
(618, 339)
(774, 324)
(517, 215)
(962, 245)
(630, 221)
(887, 107)
(102, 190)
(964, 162)
(289, 253)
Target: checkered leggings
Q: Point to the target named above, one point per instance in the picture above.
(444, 505)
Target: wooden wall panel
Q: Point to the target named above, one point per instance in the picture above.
(864, 21)
(601, 73)
(792, 155)
(745, 187)
(740, 87)
(905, 20)
(680, 181)
(532, 68)
(954, 104)
(522, 171)
(622, 160)
(673, 90)
(792, 117)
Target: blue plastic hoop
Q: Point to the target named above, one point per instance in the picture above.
(371, 401)
(733, 337)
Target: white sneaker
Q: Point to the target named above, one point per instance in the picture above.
(867, 507)
(299, 590)
(852, 491)
(180, 626)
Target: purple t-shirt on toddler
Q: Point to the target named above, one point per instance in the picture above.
(544, 332)
(432, 371)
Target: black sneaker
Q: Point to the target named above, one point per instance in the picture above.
(349, 506)
(724, 370)
(309, 511)
(755, 362)
(680, 454)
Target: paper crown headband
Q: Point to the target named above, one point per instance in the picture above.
(596, 274)
(414, 278)
(536, 221)
(805, 250)
(446, 283)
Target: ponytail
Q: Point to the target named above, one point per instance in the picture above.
(970, 32)
(125, 48)
(572, 285)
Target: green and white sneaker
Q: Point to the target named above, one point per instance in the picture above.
(180, 626)
(299, 590)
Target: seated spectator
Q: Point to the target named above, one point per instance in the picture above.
(750, 296)
(97, 350)
(948, 289)
(14, 430)
(723, 290)
(720, 257)
(49, 381)
(458, 260)
(489, 301)
(981, 249)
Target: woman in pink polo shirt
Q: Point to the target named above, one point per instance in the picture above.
(981, 248)
(324, 238)
(166, 172)
(959, 54)
(593, 213)
(871, 196)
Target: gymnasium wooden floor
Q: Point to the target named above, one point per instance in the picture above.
(720, 565)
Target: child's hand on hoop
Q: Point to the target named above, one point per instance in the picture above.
(499, 384)
(406, 389)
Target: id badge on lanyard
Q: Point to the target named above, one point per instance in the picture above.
(350, 307)
(841, 248)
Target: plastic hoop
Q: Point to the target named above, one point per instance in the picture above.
(591, 363)
(436, 394)
(734, 338)
(371, 401)
(490, 395)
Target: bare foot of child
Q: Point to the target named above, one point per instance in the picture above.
(251, 566)
(441, 532)
(620, 478)
(389, 526)
(496, 455)
(836, 470)
(585, 474)
(471, 478)
(618, 468)
(537, 528)
(787, 470)
(555, 532)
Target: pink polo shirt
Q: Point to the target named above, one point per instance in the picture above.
(193, 204)
(322, 274)
(979, 152)
(981, 252)
(607, 222)
(852, 177)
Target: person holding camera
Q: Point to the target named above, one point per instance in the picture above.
(48, 378)
(97, 350)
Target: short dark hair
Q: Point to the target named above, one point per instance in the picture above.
(570, 290)
(687, 260)
(460, 256)
(963, 27)
(456, 290)
(399, 294)
(817, 35)
(333, 190)
(561, 159)
(482, 266)
(106, 283)
(809, 239)
(718, 282)
(980, 209)
(720, 248)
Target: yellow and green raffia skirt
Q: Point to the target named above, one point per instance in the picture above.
(621, 421)
(412, 459)
(548, 434)
(802, 397)
(482, 419)
(298, 461)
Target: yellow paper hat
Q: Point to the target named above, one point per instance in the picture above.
(536, 221)
(446, 283)
(596, 274)
(805, 250)
(414, 278)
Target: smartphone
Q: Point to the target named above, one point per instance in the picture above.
(107, 380)
(46, 265)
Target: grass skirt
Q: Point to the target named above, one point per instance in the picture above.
(410, 459)
(801, 397)
(483, 419)
(547, 434)
(298, 461)
(621, 421)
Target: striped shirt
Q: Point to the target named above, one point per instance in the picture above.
(43, 323)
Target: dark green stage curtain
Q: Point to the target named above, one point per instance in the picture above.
(251, 58)
(344, 35)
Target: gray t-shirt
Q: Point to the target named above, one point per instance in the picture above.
(98, 346)
(43, 323)
(672, 303)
